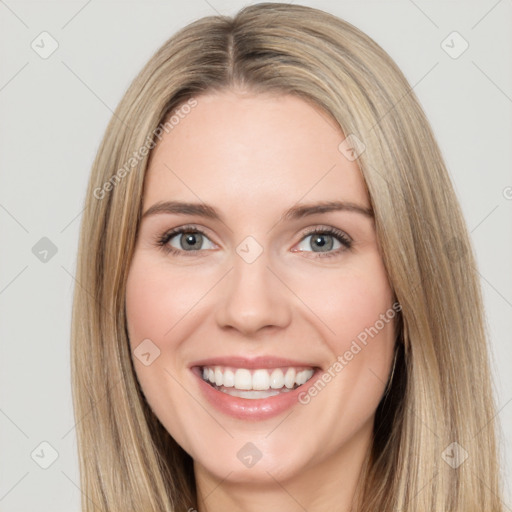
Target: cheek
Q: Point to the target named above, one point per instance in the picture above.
(156, 301)
(351, 300)
(354, 310)
(162, 305)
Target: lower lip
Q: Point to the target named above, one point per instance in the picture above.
(256, 409)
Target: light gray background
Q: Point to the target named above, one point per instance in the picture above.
(53, 114)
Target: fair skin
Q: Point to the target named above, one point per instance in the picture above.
(252, 157)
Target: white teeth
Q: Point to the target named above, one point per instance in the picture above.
(229, 379)
(289, 378)
(218, 377)
(256, 380)
(302, 377)
(251, 394)
(277, 379)
(243, 379)
(260, 379)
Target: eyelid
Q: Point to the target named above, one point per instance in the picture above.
(324, 228)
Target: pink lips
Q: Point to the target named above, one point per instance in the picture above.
(255, 362)
(252, 409)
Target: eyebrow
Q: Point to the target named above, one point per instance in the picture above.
(293, 213)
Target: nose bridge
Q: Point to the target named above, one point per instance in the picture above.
(253, 297)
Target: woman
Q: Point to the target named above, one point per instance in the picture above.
(278, 304)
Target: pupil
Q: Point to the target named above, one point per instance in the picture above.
(320, 241)
(192, 239)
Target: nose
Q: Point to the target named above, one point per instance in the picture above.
(253, 298)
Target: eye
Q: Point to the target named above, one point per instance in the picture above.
(190, 239)
(325, 242)
(184, 239)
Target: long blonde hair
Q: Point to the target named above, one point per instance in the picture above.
(441, 391)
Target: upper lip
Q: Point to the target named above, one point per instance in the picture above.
(254, 362)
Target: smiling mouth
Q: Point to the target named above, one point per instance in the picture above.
(256, 383)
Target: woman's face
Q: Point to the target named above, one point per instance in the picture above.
(252, 295)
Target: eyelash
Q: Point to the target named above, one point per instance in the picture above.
(162, 241)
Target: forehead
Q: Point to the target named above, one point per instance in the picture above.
(273, 150)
